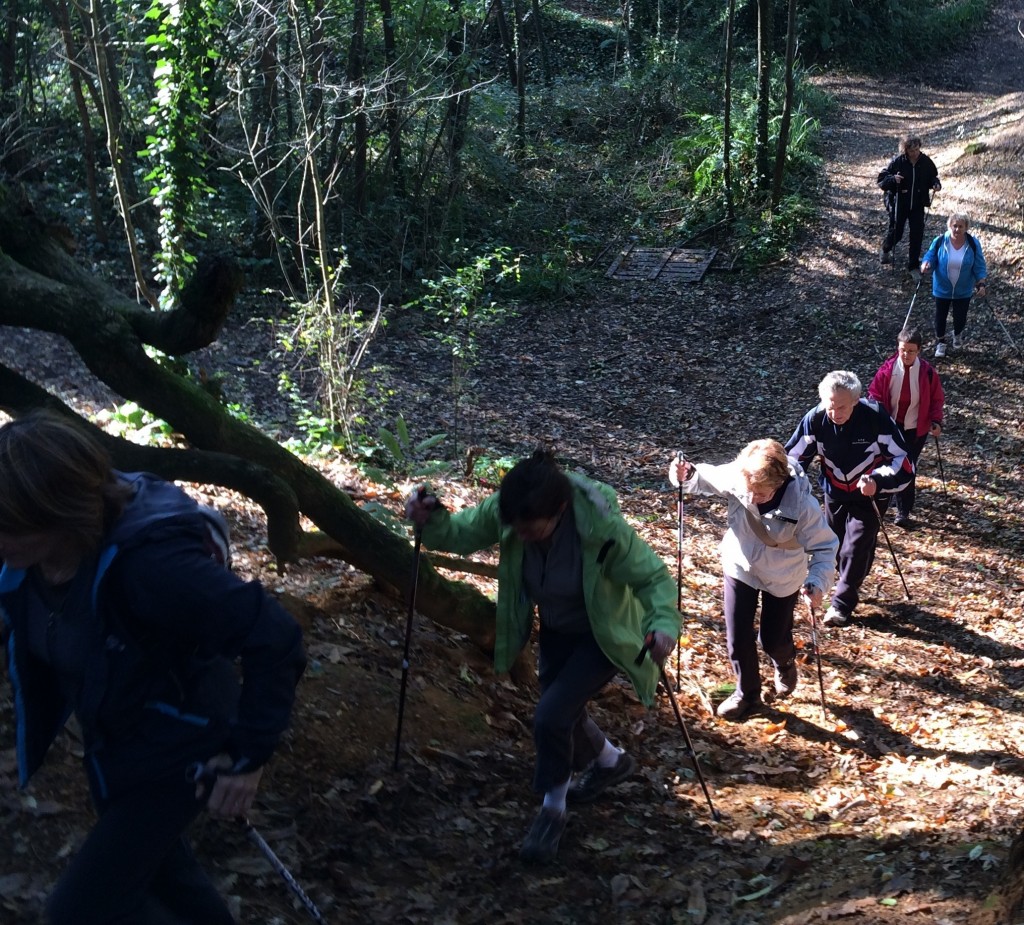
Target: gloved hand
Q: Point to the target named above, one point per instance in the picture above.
(679, 470)
(661, 646)
(420, 505)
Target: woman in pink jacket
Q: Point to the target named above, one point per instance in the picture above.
(908, 387)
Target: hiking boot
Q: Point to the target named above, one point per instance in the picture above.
(541, 843)
(915, 274)
(786, 679)
(834, 617)
(885, 257)
(940, 349)
(959, 340)
(903, 521)
(594, 780)
(736, 707)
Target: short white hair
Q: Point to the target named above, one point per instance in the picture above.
(839, 380)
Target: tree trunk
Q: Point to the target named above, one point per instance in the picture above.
(506, 41)
(356, 76)
(392, 110)
(542, 42)
(520, 78)
(727, 117)
(764, 86)
(41, 287)
(59, 11)
(787, 108)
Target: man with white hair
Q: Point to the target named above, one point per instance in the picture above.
(864, 462)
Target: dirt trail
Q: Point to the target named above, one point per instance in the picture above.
(897, 808)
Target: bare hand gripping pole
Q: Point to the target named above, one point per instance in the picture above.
(648, 642)
(198, 773)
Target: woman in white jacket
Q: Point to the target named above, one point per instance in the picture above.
(778, 546)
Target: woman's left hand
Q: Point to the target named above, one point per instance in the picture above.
(661, 646)
(232, 794)
(813, 595)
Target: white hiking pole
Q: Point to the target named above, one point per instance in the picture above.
(197, 773)
(912, 300)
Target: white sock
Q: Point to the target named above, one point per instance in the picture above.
(555, 797)
(609, 756)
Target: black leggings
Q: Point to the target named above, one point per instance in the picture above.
(942, 307)
(135, 867)
(775, 633)
(572, 670)
(916, 221)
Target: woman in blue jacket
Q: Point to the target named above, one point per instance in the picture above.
(960, 271)
(117, 606)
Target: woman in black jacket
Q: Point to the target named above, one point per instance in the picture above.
(908, 183)
(117, 606)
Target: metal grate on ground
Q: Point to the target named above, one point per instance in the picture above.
(667, 264)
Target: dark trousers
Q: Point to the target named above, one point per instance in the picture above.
(572, 670)
(915, 444)
(775, 633)
(942, 307)
(135, 867)
(897, 221)
(856, 525)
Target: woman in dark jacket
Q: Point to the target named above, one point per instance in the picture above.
(908, 183)
(117, 606)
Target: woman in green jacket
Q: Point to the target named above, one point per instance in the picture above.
(599, 591)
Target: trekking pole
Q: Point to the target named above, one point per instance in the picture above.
(1002, 327)
(913, 298)
(895, 225)
(817, 654)
(196, 773)
(942, 475)
(892, 552)
(679, 575)
(413, 582)
(648, 642)
(260, 842)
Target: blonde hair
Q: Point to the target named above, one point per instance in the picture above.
(764, 463)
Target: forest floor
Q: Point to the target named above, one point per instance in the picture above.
(898, 803)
